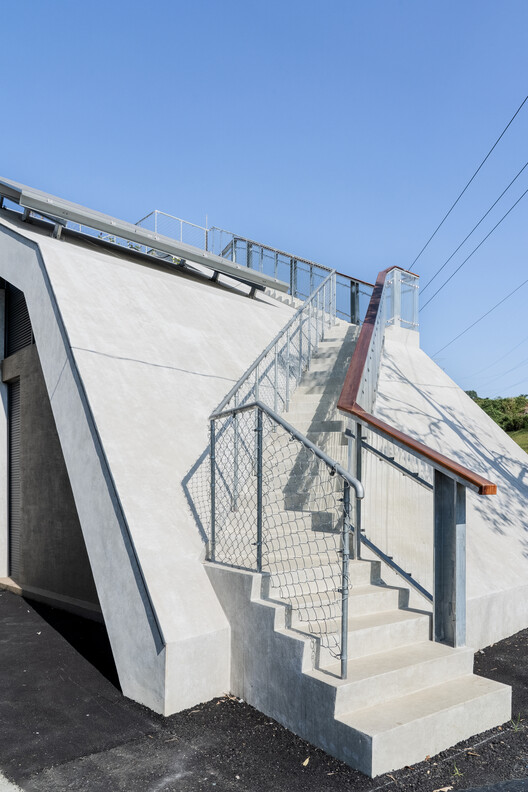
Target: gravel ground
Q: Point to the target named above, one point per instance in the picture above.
(66, 726)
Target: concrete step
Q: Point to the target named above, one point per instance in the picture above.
(375, 632)
(397, 672)
(361, 573)
(362, 600)
(405, 730)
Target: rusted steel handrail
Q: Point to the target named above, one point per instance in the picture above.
(348, 403)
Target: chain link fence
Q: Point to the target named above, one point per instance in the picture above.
(280, 506)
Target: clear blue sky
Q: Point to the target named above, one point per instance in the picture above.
(341, 131)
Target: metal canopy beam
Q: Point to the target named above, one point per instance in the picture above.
(52, 206)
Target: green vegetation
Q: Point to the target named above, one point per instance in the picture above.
(521, 437)
(511, 414)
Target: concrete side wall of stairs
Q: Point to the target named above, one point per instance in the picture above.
(405, 697)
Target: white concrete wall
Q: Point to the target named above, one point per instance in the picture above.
(135, 358)
(416, 396)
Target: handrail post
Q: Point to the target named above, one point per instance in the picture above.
(212, 540)
(323, 315)
(287, 405)
(293, 277)
(344, 579)
(449, 609)
(276, 379)
(234, 500)
(259, 490)
(300, 346)
(396, 297)
(334, 299)
(309, 323)
(415, 321)
(358, 474)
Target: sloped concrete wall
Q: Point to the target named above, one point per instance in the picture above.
(135, 358)
(416, 396)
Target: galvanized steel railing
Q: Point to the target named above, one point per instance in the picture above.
(414, 514)
(279, 505)
(275, 374)
(175, 227)
(303, 275)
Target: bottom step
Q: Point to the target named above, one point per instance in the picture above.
(405, 730)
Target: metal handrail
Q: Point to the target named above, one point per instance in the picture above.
(280, 252)
(334, 466)
(257, 527)
(351, 389)
(280, 335)
(450, 478)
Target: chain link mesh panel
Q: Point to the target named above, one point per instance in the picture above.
(292, 530)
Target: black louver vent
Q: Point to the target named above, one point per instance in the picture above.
(19, 333)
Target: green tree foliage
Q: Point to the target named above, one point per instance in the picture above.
(511, 413)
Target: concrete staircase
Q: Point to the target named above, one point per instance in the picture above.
(405, 697)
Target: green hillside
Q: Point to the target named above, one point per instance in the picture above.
(510, 413)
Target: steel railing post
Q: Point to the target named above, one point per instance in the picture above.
(449, 588)
(300, 346)
(344, 579)
(415, 319)
(358, 474)
(259, 490)
(234, 500)
(309, 331)
(287, 405)
(323, 312)
(396, 298)
(212, 540)
(276, 379)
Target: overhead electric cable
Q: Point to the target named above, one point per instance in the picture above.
(481, 317)
(474, 228)
(495, 377)
(519, 382)
(474, 250)
(469, 182)
(498, 360)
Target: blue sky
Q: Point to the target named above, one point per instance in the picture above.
(340, 131)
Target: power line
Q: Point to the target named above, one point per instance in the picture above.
(474, 228)
(481, 317)
(474, 250)
(498, 360)
(469, 182)
(495, 377)
(519, 382)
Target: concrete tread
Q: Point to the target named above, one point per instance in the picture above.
(390, 715)
(391, 660)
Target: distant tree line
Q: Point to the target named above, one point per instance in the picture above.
(511, 414)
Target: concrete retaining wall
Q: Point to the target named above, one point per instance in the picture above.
(135, 358)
